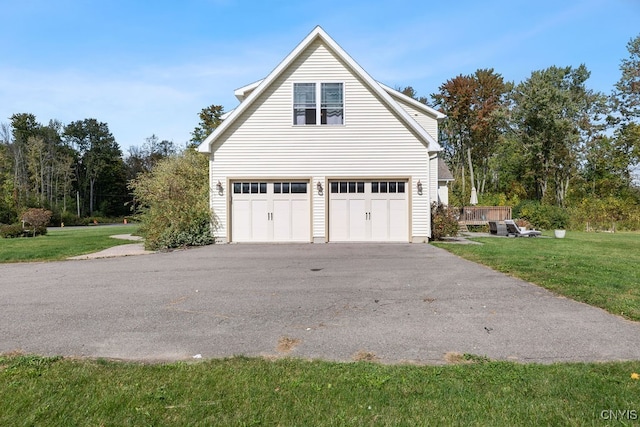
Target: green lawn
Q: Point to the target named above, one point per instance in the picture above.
(62, 243)
(601, 269)
(242, 391)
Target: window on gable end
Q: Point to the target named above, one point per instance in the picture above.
(307, 111)
(304, 104)
(332, 104)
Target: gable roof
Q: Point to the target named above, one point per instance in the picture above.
(413, 102)
(444, 174)
(257, 88)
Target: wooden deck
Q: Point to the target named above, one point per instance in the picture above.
(481, 215)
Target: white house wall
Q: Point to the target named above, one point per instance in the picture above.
(433, 178)
(373, 142)
(443, 193)
(428, 123)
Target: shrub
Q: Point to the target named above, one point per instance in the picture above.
(38, 218)
(16, 230)
(444, 221)
(12, 231)
(607, 213)
(173, 200)
(197, 233)
(545, 217)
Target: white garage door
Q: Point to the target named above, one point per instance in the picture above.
(264, 211)
(368, 211)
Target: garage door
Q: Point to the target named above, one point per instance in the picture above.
(264, 211)
(368, 211)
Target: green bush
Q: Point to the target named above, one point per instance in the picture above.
(173, 202)
(16, 230)
(197, 233)
(545, 217)
(444, 221)
(12, 231)
(607, 213)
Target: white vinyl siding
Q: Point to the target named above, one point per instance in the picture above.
(372, 143)
(427, 122)
(433, 179)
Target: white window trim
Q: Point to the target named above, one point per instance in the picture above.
(318, 84)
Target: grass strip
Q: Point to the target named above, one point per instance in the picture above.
(250, 391)
(63, 243)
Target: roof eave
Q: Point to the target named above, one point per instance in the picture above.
(419, 105)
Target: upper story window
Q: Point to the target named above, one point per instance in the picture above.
(307, 111)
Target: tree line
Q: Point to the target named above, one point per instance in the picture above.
(548, 139)
(75, 170)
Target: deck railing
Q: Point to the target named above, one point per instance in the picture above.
(481, 215)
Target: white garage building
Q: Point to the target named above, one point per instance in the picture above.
(318, 151)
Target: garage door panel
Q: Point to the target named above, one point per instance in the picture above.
(259, 220)
(357, 220)
(374, 210)
(281, 220)
(339, 220)
(242, 220)
(300, 221)
(270, 211)
(398, 221)
(379, 219)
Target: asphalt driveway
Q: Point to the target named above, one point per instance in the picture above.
(393, 302)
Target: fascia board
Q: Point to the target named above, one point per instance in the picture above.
(241, 93)
(419, 105)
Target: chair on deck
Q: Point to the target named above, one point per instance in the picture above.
(512, 228)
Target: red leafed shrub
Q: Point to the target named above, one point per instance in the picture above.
(444, 221)
(38, 218)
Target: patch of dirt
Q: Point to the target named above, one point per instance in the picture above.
(365, 356)
(455, 358)
(286, 344)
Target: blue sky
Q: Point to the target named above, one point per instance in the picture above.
(149, 67)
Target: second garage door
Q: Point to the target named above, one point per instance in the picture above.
(264, 211)
(368, 211)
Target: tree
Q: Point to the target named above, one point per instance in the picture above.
(38, 158)
(24, 126)
(37, 218)
(209, 121)
(99, 158)
(626, 102)
(411, 93)
(142, 159)
(555, 115)
(627, 89)
(7, 208)
(475, 121)
(173, 202)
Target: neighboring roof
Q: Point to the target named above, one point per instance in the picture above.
(444, 174)
(257, 88)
